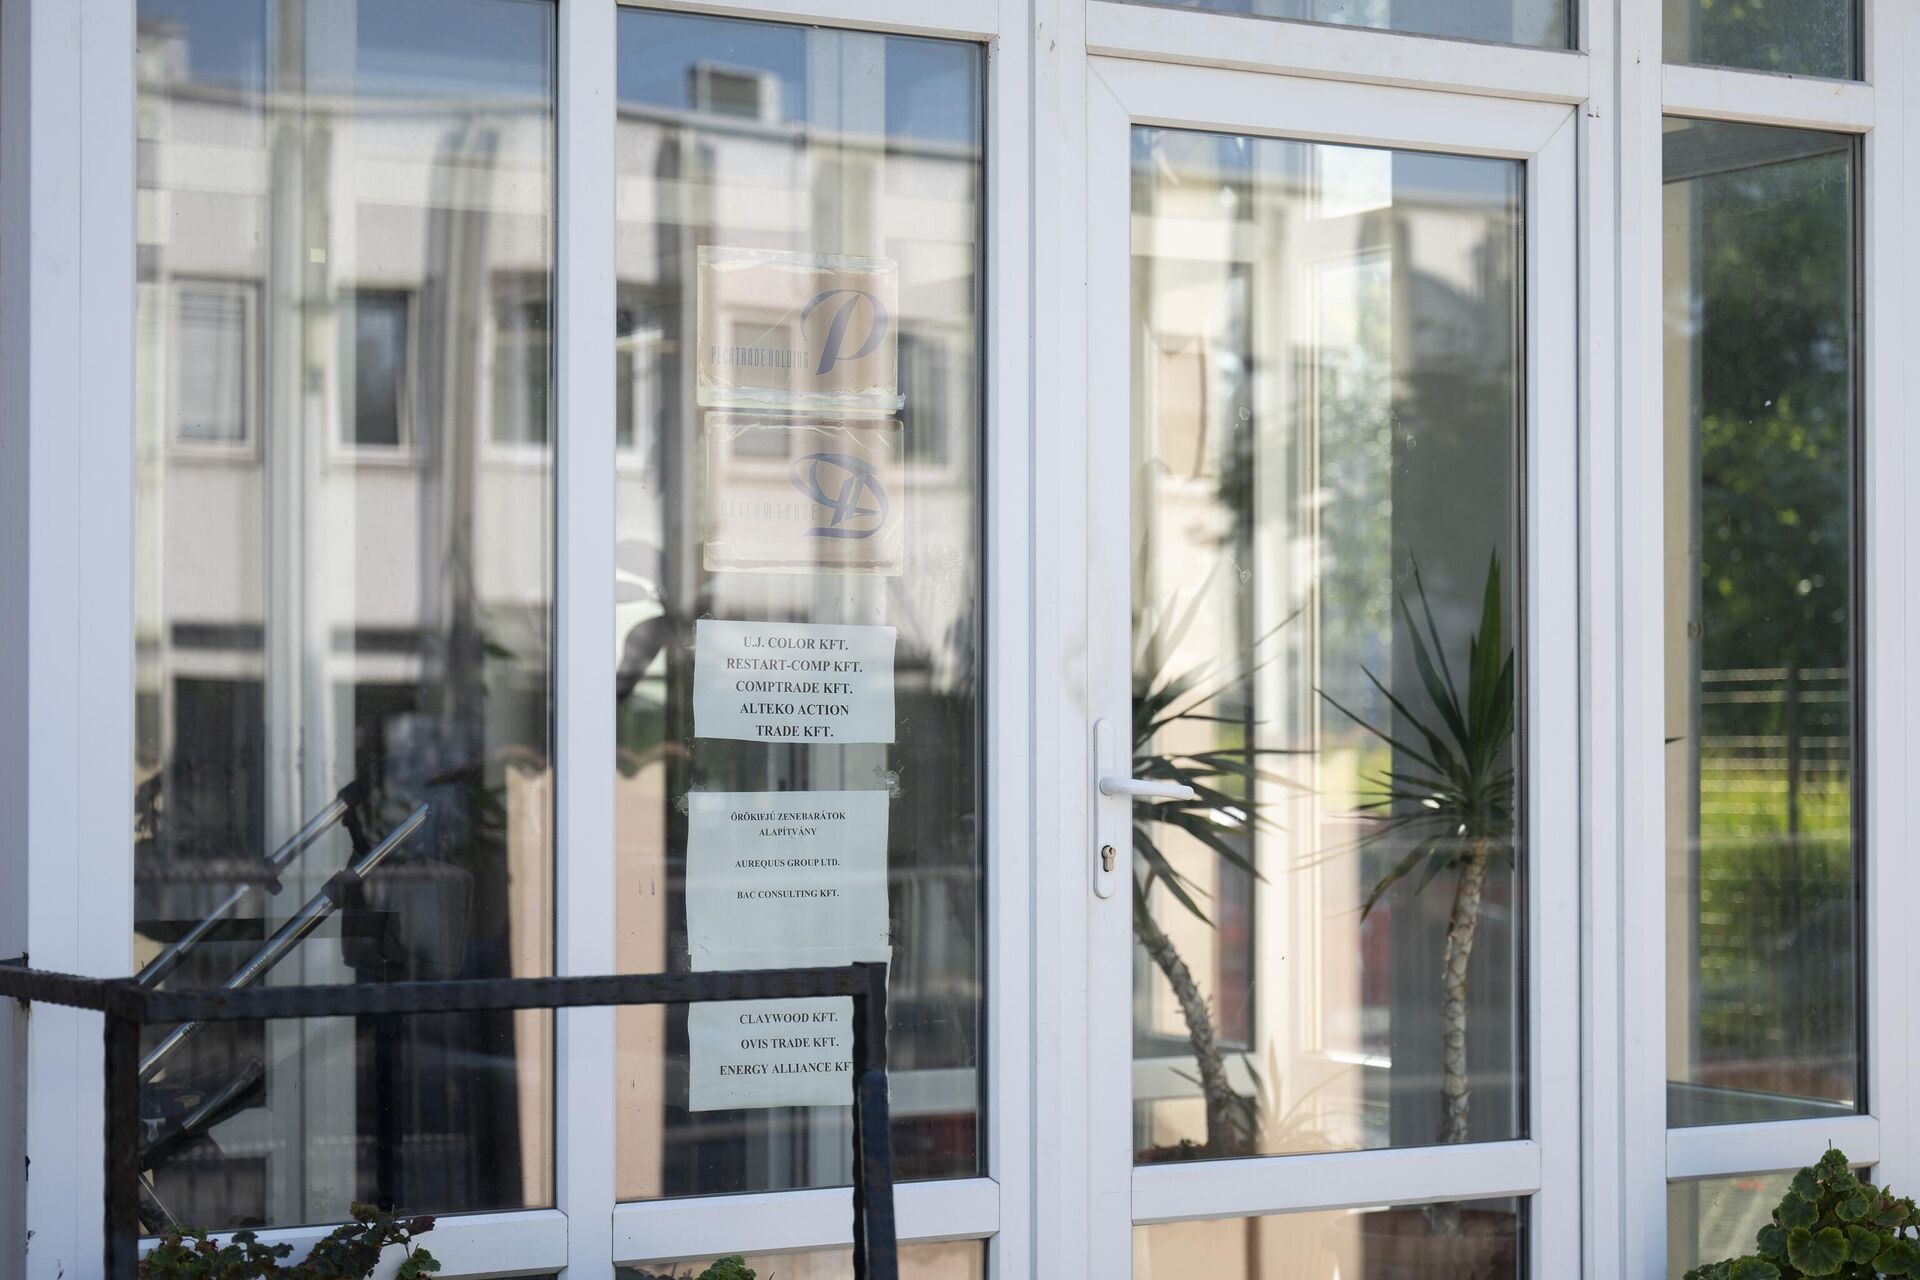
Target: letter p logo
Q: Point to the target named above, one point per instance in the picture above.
(843, 317)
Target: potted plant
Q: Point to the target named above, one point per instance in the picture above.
(1449, 791)
(350, 1252)
(1831, 1222)
(1222, 776)
(1449, 794)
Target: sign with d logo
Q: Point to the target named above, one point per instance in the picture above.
(802, 495)
(797, 331)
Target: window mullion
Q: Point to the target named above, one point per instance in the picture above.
(1640, 918)
(584, 514)
(1887, 279)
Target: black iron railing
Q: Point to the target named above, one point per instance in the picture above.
(128, 1006)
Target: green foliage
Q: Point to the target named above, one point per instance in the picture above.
(1767, 307)
(1222, 774)
(349, 1252)
(1450, 789)
(731, 1267)
(1831, 1222)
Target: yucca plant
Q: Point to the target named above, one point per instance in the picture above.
(1222, 815)
(1450, 792)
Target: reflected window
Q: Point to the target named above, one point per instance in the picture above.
(1478, 1238)
(342, 670)
(216, 367)
(799, 620)
(1763, 855)
(1326, 505)
(521, 379)
(374, 365)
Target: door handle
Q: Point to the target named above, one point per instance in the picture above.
(1113, 823)
(1147, 789)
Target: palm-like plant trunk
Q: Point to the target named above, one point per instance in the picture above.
(1462, 924)
(1212, 1064)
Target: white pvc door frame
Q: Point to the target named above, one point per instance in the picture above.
(1542, 1167)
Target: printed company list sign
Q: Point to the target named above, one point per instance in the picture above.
(780, 880)
(748, 1054)
(786, 879)
(792, 682)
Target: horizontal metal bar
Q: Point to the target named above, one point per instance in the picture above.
(122, 997)
(43, 986)
(127, 1003)
(472, 994)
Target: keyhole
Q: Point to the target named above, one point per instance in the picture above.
(1107, 856)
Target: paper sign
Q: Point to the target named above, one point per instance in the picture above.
(786, 879)
(770, 1053)
(797, 331)
(802, 495)
(781, 880)
(792, 682)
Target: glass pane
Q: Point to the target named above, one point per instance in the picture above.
(951, 1260)
(1763, 947)
(799, 614)
(1472, 1238)
(343, 616)
(1804, 37)
(1714, 1219)
(1547, 24)
(1326, 395)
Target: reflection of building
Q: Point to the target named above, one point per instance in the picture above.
(344, 432)
(344, 494)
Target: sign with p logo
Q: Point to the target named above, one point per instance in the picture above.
(797, 331)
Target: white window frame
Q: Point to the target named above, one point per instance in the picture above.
(67, 359)
(1875, 110)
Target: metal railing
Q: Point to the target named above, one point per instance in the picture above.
(128, 1006)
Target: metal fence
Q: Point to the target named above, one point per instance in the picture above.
(128, 1006)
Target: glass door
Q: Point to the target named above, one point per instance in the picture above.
(1332, 601)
